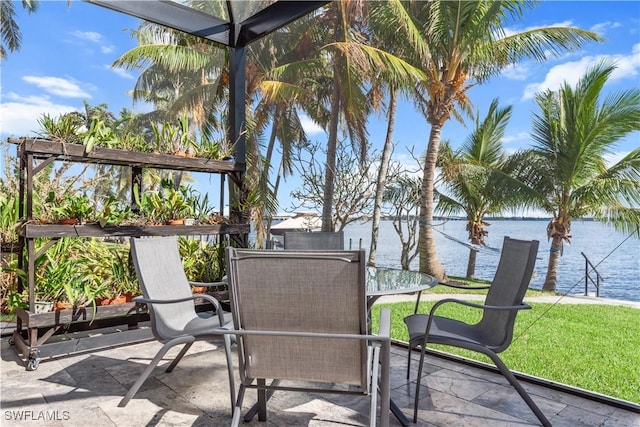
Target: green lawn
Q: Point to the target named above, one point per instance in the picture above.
(593, 347)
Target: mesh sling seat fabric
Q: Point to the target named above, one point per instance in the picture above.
(301, 316)
(316, 240)
(174, 320)
(494, 332)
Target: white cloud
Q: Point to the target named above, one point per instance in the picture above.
(627, 66)
(518, 137)
(310, 127)
(19, 117)
(516, 72)
(91, 36)
(602, 27)
(57, 86)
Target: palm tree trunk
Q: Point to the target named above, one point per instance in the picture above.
(330, 166)
(551, 280)
(382, 178)
(471, 265)
(429, 262)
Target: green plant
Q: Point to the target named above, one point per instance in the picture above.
(200, 205)
(150, 205)
(114, 212)
(122, 277)
(71, 206)
(99, 134)
(202, 260)
(9, 205)
(173, 138)
(176, 205)
(64, 128)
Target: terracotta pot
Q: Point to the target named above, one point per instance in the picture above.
(199, 289)
(118, 300)
(175, 222)
(62, 305)
(103, 301)
(128, 296)
(68, 221)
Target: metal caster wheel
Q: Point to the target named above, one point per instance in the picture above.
(34, 361)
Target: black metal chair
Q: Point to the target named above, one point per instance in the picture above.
(316, 240)
(494, 332)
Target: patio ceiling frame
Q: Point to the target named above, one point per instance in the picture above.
(235, 35)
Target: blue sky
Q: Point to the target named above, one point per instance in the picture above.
(67, 52)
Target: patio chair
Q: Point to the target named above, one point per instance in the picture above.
(174, 320)
(494, 332)
(301, 316)
(316, 240)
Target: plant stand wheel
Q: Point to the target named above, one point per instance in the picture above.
(34, 360)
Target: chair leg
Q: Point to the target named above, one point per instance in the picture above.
(232, 383)
(143, 377)
(178, 357)
(418, 380)
(373, 387)
(521, 391)
(237, 412)
(409, 362)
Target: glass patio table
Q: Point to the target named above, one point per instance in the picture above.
(383, 281)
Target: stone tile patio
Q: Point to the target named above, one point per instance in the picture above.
(84, 390)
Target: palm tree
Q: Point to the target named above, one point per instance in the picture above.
(469, 177)
(9, 29)
(459, 44)
(566, 172)
(353, 66)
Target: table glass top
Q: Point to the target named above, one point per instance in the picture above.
(388, 281)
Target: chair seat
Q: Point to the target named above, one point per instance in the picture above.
(199, 326)
(443, 330)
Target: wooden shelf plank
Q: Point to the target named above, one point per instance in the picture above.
(43, 148)
(94, 230)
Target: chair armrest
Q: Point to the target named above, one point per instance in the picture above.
(476, 305)
(453, 285)
(193, 297)
(162, 301)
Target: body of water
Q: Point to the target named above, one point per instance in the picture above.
(616, 259)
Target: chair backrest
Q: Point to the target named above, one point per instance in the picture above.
(316, 240)
(298, 291)
(508, 288)
(161, 276)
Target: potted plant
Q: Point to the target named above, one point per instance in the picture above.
(72, 209)
(114, 212)
(174, 139)
(9, 242)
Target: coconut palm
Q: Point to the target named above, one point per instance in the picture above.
(469, 177)
(566, 173)
(352, 66)
(9, 30)
(459, 44)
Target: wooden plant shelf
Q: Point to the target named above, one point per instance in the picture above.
(44, 148)
(94, 230)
